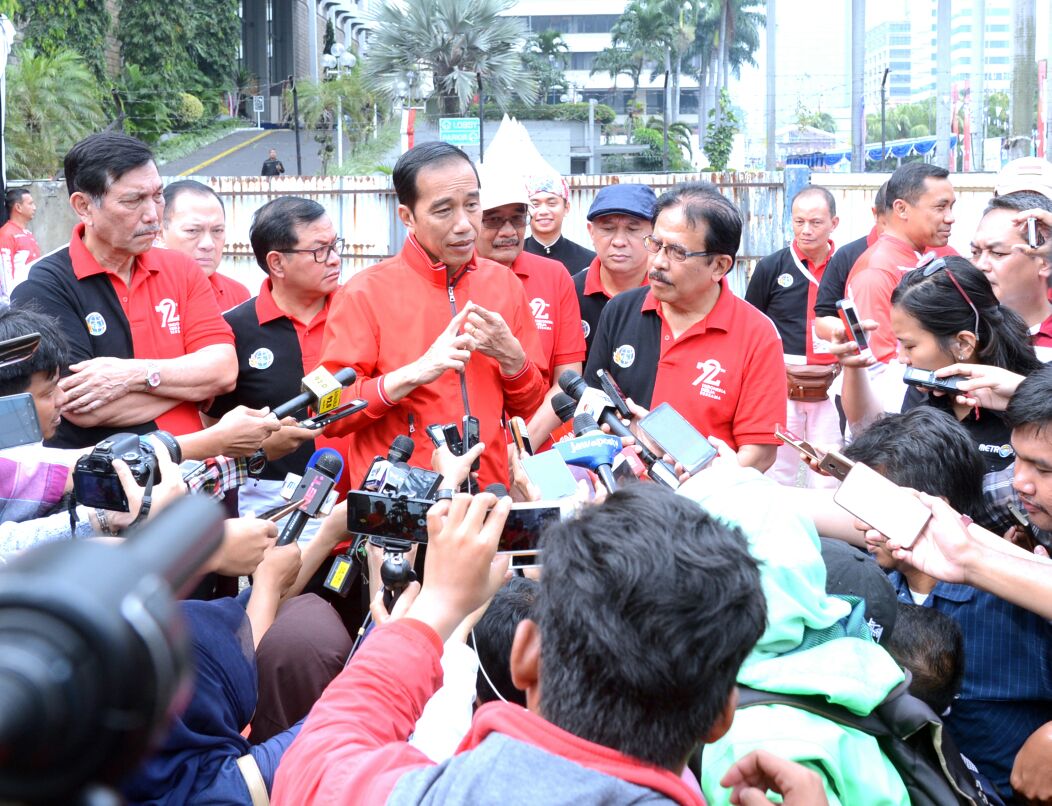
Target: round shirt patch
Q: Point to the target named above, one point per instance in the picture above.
(96, 324)
(586, 328)
(785, 280)
(261, 358)
(625, 356)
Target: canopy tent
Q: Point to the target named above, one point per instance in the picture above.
(898, 149)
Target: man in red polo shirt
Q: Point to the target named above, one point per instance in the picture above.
(618, 220)
(784, 286)
(687, 340)
(435, 333)
(18, 247)
(194, 223)
(146, 338)
(921, 199)
(549, 288)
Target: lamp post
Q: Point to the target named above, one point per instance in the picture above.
(336, 61)
(883, 105)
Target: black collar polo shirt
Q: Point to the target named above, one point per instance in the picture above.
(572, 255)
(592, 298)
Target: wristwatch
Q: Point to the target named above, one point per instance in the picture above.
(153, 375)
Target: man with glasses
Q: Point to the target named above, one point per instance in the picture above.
(687, 340)
(549, 288)
(618, 220)
(194, 223)
(279, 334)
(784, 286)
(147, 342)
(549, 203)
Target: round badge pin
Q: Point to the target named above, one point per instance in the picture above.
(261, 358)
(625, 356)
(585, 327)
(785, 280)
(96, 323)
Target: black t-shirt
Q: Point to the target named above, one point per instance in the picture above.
(778, 289)
(834, 279)
(272, 167)
(572, 255)
(987, 429)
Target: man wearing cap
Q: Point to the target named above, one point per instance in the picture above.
(1025, 173)
(618, 220)
(549, 288)
(687, 340)
(549, 198)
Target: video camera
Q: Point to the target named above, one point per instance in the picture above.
(95, 482)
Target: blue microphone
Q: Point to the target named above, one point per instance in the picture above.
(322, 474)
(591, 449)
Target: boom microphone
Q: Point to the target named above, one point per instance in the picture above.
(310, 397)
(323, 472)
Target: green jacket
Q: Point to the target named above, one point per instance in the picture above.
(812, 645)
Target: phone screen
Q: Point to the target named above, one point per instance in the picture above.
(549, 472)
(849, 316)
(678, 438)
(20, 424)
(381, 516)
(523, 528)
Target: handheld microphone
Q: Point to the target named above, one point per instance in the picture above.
(591, 449)
(574, 386)
(318, 392)
(563, 405)
(387, 476)
(323, 472)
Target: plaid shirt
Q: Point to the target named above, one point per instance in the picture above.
(213, 477)
(998, 494)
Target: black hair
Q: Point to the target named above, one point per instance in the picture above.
(51, 356)
(880, 201)
(274, 225)
(931, 645)
(935, 302)
(13, 197)
(908, 181)
(648, 606)
(703, 202)
(99, 160)
(425, 155)
(493, 636)
(1031, 405)
(817, 190)
(176, 189)
(926, 449)
(1019, 201)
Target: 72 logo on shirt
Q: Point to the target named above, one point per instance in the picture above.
(169, 311)
(708, 381)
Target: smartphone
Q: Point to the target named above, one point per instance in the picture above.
(20, 426)
(836, 465)
(613, 391)
(451, 434)
(379, 515)
(321, 420)
(671, 432)
(793, 441)
(1033, 237)
(888, 508)
(438, 436)
(551, 475)
(471, 437)
(420, 483)
(926, 380)
(520, 435)
(527, 521)
(849, 316)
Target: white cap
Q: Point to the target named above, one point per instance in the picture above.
(1026, 173)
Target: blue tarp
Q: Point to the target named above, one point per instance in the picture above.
(898, 149)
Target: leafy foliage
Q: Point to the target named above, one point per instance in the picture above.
(817, 119)
(318, 105)
(53, 101)
(453, 40)
(719, 135)
(188, 111)
(578, 111)
(545, 59)
(142, 104)
(53, 26)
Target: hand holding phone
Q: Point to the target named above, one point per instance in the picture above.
(926, 379)
(893, 511)
(671, 432)
(853, 327)
(613, 391)
(520, 435)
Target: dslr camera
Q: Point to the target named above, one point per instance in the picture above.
(95, 482)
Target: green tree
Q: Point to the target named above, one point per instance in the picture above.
(545, 59)
(154, 36)
(53, 26)
(215, 37)
(618, 61)
(455, 40)
(719, 138)
(644, 30)
(143, 104)
(318, 105)
(997, 106)
(815, 118)
(52, 102)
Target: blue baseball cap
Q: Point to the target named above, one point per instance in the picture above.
(634, 200)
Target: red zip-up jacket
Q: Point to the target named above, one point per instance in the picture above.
(388, 316)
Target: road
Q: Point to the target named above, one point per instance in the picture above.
(242, 152)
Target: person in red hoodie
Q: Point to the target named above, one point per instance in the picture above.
(640, 653)
(435, 333)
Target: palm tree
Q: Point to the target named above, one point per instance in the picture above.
(617, 61)
(545, 58)
(551, 45)
(318, 105)
(53, 101)
(645, 30)
(457, 41)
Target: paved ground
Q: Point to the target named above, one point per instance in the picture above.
(242, 153)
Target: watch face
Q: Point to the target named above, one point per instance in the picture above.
(153, 378)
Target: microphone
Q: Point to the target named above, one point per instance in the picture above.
(320, 391)
(563, 405)
(591, 449)
(387, 476)
(323, 472)
(574, 386)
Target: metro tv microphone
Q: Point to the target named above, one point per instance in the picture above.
(322, 391)
(574, 385)
(323, 472)
(591, 449)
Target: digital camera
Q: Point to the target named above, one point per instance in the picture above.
(95, 482)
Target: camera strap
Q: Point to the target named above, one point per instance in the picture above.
(147, 499)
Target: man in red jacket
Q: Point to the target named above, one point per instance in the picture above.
(435, 333)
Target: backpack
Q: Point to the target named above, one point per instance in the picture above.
(910, 735)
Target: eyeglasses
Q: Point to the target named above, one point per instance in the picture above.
(673, 250)
(938, 264)
(321, 254)
(498, 222)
